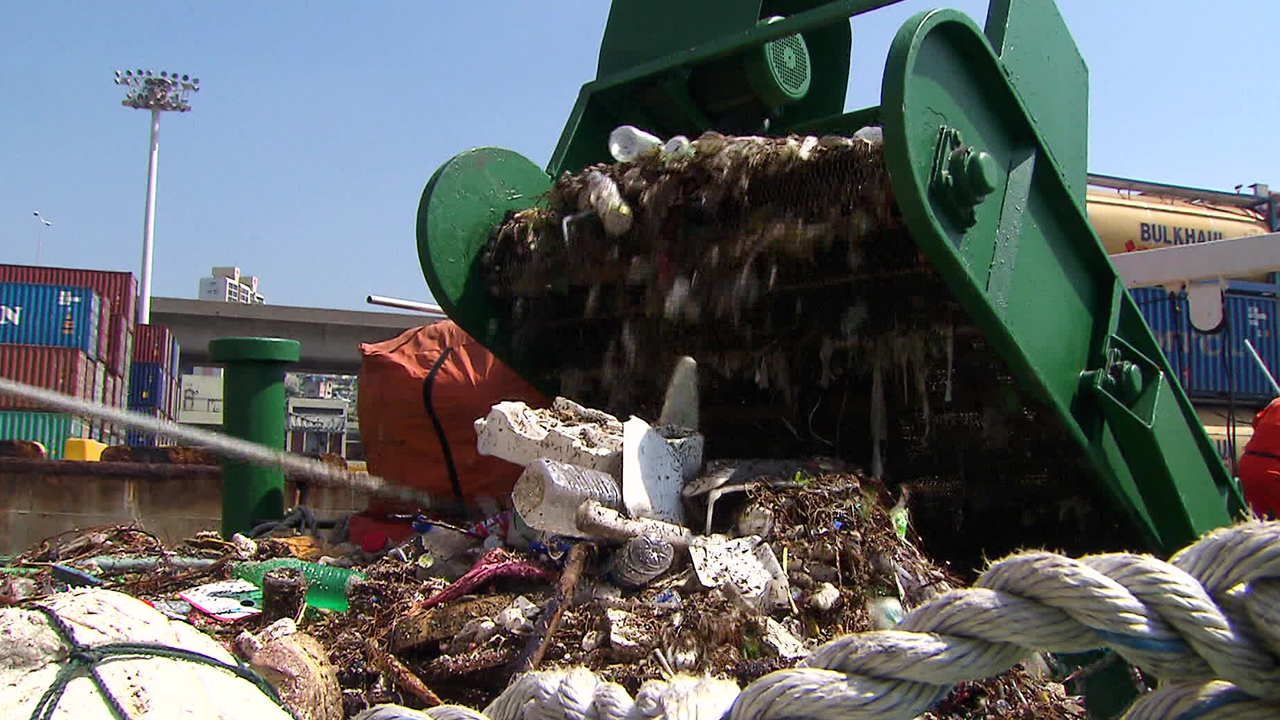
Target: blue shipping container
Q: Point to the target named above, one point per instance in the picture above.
(50, 315)
(148, 385)
(1203, 368)
(1167, 318)
(1219, 363)
(142, 438)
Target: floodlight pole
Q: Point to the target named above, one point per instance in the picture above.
(157, 92)
(148, 228)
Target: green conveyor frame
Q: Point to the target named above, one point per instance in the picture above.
(986, 141)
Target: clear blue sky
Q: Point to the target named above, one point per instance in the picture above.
(318, 124)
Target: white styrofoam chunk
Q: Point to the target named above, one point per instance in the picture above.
(516, 433)
(651, 474)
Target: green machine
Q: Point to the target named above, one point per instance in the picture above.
(985, 139)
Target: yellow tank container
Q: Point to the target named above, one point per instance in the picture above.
(83, 449)
(1128, 222)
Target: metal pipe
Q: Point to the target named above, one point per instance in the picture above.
(224, 445)
(1263, 366)
(405, 304)
(148, 227)
(116, 563)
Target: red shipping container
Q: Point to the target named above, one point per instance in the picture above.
(116, 344)
(104, 330)
(121, 288)
(99, 371)
(152, 344)
(64, 370)
(118, 400)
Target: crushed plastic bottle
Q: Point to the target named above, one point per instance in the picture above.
(548, 493)
(640, 560)
(326, 585)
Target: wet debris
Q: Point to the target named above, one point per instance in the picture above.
(630, 550)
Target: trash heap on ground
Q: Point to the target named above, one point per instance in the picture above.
(623, 552)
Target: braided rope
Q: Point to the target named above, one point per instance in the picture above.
(1207, 623)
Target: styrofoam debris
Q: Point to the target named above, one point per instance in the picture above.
(515, 432)
(245, 547)
(477, 631)
(651, 474)
(688, 446)
(517, 617)
(625, 632)
(782, 641)
(680, 404)
(824, 597)
(249, 643)
(593, 640)
(755, 519)
(746, 563)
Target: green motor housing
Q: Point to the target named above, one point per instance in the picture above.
(745, 90)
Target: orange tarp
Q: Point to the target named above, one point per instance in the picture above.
(401, 441)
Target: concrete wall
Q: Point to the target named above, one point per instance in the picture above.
(40, 499)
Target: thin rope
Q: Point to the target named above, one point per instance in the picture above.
(83, 660)
(225, 445)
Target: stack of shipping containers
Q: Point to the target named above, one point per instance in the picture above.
(154, 379)
(1216, 369)
(66, 330)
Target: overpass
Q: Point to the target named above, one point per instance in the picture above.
(330, 338)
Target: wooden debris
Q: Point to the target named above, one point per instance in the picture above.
(400, 675)
(536, 648)
(284, 592)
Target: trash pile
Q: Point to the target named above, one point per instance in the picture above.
(777, 262)
(624, 553)
(786, 268)
(637, 550)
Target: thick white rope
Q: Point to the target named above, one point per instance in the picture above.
(1207, 624)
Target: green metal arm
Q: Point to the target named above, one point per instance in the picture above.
(986, 147)
(992, 208)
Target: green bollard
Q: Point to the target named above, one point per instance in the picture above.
(253, 409)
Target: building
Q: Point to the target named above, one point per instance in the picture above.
(201, 400)
(316, 425)
(226, 284)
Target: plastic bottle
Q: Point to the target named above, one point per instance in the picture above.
(626, 143)
(548, 493)
(640, 560)
(326, 585)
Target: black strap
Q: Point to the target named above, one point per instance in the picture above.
(427, 383)
(1259, 453)
(84, 660)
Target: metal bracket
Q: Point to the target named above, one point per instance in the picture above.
(962, 176)
(1128, 378)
